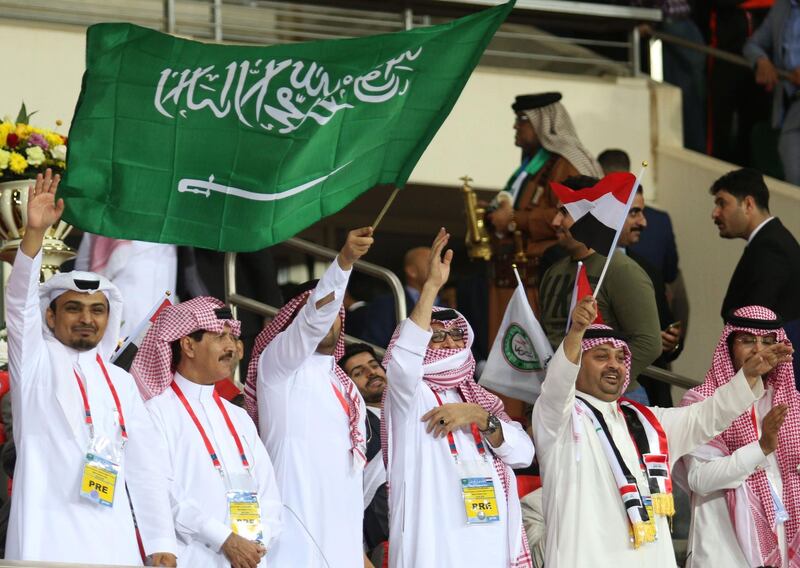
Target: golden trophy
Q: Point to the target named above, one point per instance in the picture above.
(477, 239)
(13, 218)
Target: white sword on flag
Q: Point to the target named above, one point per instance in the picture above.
(631, 197)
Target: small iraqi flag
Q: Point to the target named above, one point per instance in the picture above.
(599, 211)
(580, 290)
(125, 353)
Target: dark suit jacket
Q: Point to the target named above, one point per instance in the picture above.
(768, 274)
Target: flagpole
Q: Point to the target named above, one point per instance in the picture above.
(631, 197)
(519, 280)
(385, 209)
(575, 298)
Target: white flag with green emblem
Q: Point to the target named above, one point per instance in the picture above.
(518, 360)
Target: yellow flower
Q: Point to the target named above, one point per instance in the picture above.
(23, 130)
(53, 139)
(5, 129)
(17, 163)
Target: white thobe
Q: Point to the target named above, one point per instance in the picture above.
(307, 435)
(585, 519)
(142, 271)
(49, 520)
(197, 490)
(375, 470)
(428, 523)
(712, 539)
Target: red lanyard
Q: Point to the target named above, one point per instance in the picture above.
(475, 434)
(87, 411)
(212, 454)
(342, 400)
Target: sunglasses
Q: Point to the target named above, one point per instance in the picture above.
(440, 335)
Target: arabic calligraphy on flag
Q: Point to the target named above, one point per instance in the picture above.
(237, 148)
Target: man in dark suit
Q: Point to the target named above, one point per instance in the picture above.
(364, 368)
(768, 274)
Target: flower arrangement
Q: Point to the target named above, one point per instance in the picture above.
(26, 150)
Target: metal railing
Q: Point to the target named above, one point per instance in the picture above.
(237, 300)
(539, 34)
(730, 57)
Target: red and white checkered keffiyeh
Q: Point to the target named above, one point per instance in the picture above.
(152, 366)
(445, 369)
(280, 323)
(588, 344)
(742, 432)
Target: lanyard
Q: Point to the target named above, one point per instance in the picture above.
(212, 454)
(87, 411)
(452, 441)
(342, 400)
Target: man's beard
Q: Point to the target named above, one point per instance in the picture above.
(83, 344)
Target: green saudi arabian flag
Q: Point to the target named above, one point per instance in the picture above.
(237, 147)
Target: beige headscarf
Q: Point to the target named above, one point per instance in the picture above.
(557, 134)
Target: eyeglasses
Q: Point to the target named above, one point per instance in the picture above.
(440, 335)
(520, 118)
(750, 340)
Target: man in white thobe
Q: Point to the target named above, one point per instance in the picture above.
(141, 271)
(69, 402)
(453, 497)
(190, 348)
(745, 483)
(604, 505)
(311, 418)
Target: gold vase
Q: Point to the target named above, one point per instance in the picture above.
(14, 217)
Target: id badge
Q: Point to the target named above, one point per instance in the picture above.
(478, 493)
(244, 513)
(99, 480)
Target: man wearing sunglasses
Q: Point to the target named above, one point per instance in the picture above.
(745, 483)
(453, 498)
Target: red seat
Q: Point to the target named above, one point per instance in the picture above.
(527, 484)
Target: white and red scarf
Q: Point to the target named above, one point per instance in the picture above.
(279, 323)
(445, 369)
(751, 507)
(152, 366)
(651, 444)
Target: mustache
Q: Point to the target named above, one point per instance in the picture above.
(226, 356)
(375, 378)
(80, 328)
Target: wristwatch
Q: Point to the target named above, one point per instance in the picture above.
(493, 425)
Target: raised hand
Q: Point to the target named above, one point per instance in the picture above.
(356, 246)
(763, 361)
(438, 264)
(771, 426)
(43, 211)
(583, 316)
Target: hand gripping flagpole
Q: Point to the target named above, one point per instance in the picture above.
(631, 197)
